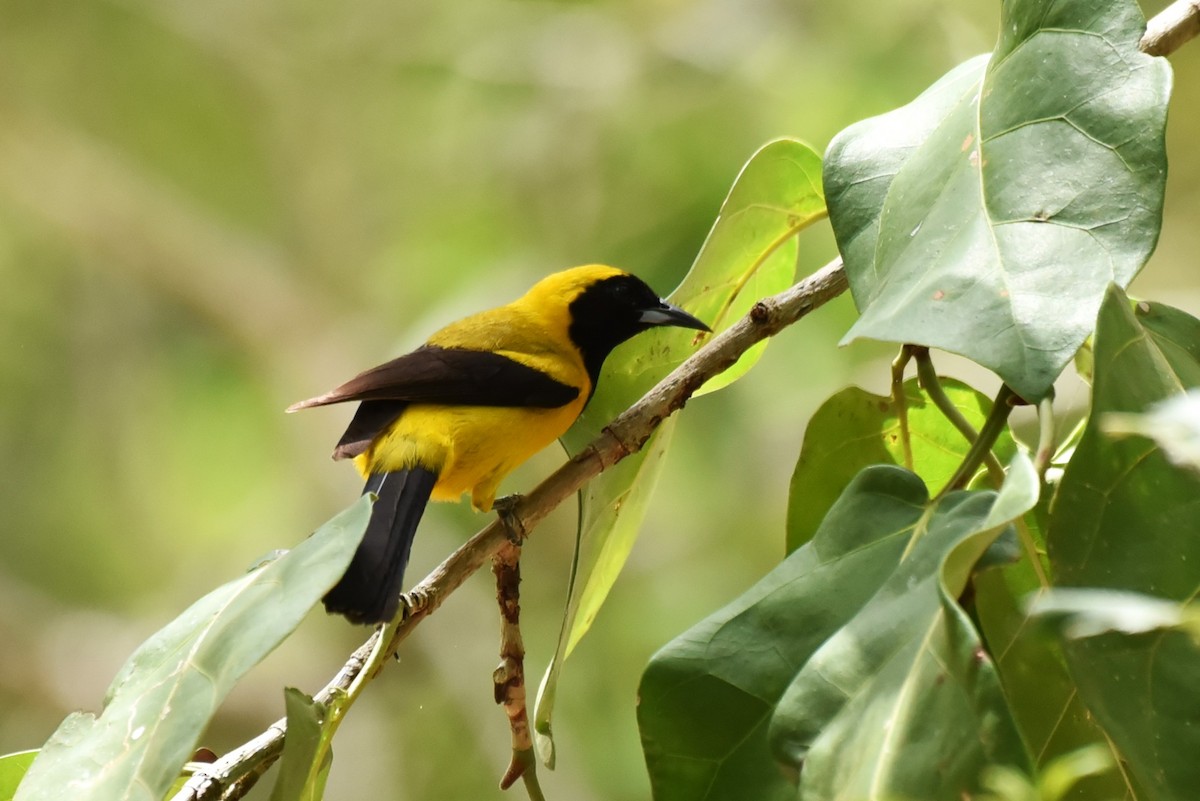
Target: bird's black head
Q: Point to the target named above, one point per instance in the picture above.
(615, 308)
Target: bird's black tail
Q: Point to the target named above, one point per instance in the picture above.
(369, 591)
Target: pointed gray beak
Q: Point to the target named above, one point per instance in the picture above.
(669, 314)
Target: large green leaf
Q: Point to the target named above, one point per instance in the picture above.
(1051, 716)
(1127, 519)
(988, 216)
(859, 717)
(876, 582)
(856, 428)
(750, 253)
(707, 697)
(164, 696)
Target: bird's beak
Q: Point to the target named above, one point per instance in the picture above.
(669, 314)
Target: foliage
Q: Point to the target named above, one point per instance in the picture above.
(990, 217)
(161, 701)
(901, 649)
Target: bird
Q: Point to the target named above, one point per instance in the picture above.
(480, 397)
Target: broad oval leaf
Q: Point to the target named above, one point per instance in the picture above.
(706, 698)
(749, 253)
(883, 566)
(988, 216)
(1045, 703)
(856, 428)
(1126, 519)
(856, 721)
(164, 696)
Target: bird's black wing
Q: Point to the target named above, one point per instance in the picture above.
(432, 374)
(452, 376)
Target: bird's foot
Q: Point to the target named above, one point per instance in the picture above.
(504, 508)
(414, 602)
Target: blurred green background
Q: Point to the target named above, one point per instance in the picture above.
(210, 210)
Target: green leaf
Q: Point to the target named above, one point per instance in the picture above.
(164, 696)
(750, 253)
(748, 685)
(610, 519)
(304, 764)
(1126, 519)
(706, 698)
(12, 769)
(1090, 613)
(988, 216)
(1043, 698)
(857, 717)
(855, 428)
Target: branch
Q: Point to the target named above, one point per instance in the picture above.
(509, 677)
(1171, 28)
(993, 426)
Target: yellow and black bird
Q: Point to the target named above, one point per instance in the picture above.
(480, 397)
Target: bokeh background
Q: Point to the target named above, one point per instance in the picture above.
(210, 210)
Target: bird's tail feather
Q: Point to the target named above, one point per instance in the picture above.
(369, 591)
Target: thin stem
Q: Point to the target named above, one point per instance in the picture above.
(993, 426)
(1046, 434)
(533, 787)
(901, 402)
(928, 378)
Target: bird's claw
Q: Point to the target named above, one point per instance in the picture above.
(414, 602)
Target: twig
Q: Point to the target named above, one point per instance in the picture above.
(625, 435)
(901, 402)
(1171, 28)
(992, 427)
(509, 676)
(928, 378)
